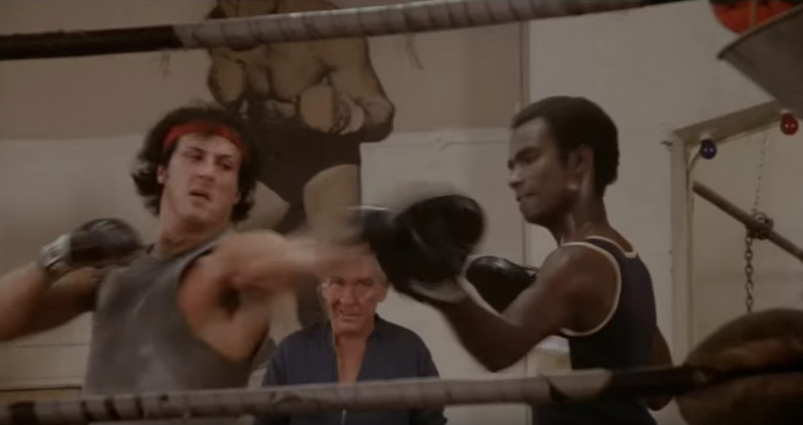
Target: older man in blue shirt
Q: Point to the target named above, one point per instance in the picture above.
(355, 344)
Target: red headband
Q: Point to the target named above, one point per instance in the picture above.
(203, 127)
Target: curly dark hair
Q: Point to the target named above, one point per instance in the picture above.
(152, 155)
(576, 121)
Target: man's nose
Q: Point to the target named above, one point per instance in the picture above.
(349, 295)
(514, 179)
(206, 168)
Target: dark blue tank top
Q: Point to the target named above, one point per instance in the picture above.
(623, 341)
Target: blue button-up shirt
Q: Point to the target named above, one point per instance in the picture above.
(392, 352)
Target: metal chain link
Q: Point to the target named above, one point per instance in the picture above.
(760, 181)
(748, 271)
(750, 236)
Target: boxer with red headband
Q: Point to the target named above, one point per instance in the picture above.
(205, 128)
(200, 127)
(189, 311)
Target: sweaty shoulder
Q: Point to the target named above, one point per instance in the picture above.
(578, 268)
(577, 258)
(589, 278)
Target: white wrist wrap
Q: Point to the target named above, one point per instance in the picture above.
(54, 258)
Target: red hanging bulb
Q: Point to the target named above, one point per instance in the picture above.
(789, 124)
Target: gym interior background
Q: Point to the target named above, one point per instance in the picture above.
(70, 127)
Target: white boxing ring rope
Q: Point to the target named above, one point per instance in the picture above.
(386, 395)
(244, 33)
(385, 20)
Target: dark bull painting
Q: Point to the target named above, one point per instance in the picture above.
(312, 103)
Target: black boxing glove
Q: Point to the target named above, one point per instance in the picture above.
(499, 281)
(423, 246)
(95, 244)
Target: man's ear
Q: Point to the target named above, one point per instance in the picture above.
(161, 174)
(581, 166)
(585, 168)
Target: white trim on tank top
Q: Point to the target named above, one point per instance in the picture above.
(615, 264)
(628, 254)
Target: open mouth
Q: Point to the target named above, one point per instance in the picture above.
(199, 194)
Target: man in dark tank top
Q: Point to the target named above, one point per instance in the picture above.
(594, 289)
(189, 311)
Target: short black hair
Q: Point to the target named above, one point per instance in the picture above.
(152, 155)
(577, 121)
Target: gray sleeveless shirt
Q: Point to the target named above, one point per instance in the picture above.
(141, 341)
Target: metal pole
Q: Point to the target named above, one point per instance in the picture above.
(745, 218)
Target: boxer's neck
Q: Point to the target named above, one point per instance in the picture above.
(586, 218)
(176, 236)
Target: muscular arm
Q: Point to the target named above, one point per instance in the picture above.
(566, 280)
(32, 302)
(353, 75)
(225, 294)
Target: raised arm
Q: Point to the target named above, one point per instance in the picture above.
(32, 302)
(541, 310)
(264, 261)
(226, 294)
(61, 285)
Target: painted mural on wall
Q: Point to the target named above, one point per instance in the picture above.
(313, 103)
